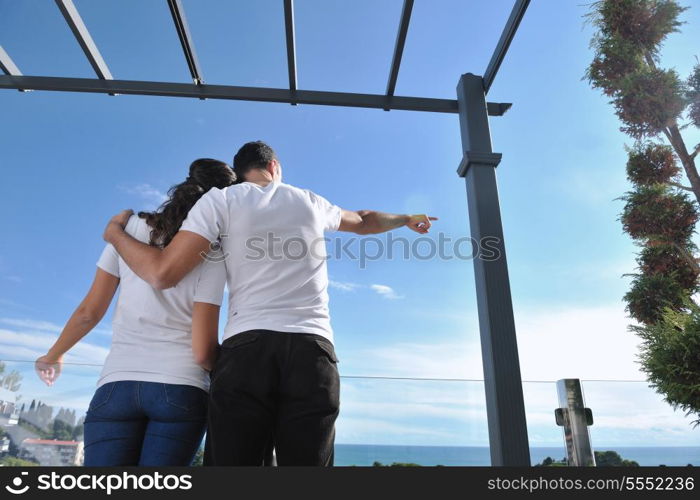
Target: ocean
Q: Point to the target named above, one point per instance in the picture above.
(363, 455)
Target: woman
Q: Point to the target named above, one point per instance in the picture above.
(151, 399)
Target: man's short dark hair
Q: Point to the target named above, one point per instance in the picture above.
(252, 155)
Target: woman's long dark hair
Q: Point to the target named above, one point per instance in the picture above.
(205, 173)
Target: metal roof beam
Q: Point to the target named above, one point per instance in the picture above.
(377, 101)
(398, 48)
(7, 65)
(291, 47)
(77, 26)
(509, 31)
(183, 33)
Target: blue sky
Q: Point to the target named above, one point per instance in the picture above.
(70, 161)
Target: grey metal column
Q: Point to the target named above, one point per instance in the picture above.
(575, 418)
(504, 393)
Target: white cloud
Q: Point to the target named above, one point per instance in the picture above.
(407, 399)
(46, 326)
(383, 290)
(29, 346)
(386, 291)
(344, 286)
(43, 326)
(451, 360)
(153, 196)
(577, 342)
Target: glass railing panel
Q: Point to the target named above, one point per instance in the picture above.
(39, 424)
(631, 424)
(383, 420)
(422, 422)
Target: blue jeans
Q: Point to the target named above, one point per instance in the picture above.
(144, 423)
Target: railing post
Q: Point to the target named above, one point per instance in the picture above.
(575, 418)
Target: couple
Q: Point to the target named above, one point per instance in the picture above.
(273, 381)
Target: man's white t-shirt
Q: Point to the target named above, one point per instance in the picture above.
(273, 243)
(152, 329)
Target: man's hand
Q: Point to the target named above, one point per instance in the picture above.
(420, 223)
(117, 223)
(48, 368)
(371, 222)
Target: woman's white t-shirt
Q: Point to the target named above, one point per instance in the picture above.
(152, 329)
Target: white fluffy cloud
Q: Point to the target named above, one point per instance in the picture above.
(32, 324)
(153, 196)
(344, 286)
(29, 345)
(384, 291)
(577, 342)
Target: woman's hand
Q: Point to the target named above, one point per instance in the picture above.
(48, 368)
(119, 222)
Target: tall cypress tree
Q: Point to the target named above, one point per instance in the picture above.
(661, 210)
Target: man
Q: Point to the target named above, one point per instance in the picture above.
(275, 379)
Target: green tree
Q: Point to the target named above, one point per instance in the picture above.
(198, 460)
(396, 464)
(62, 431)
(78, 432)
(550, 462)
(16, 462)
(602, 459)
(12, 381)
(671, 356)
(660, 212)
(612, 459)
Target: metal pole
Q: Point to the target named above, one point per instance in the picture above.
(398, 48)
(504, 392)
(183, 33)
(516, 16)
(575, 418)
(7, 65)
(291, 45)
(82, 35)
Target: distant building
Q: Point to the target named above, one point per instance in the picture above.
(4, 446)
(52, 452)
(9, 412)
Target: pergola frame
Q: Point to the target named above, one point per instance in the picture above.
(503, 385)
